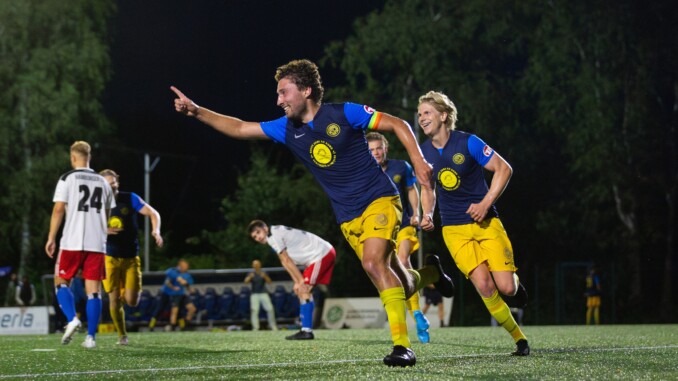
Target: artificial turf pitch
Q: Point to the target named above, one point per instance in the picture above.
(628, 352)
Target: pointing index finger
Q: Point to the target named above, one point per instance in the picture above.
(178, 92)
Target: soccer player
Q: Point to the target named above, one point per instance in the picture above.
(329, 139)
(402, 175)
(85, 199)
(472, 231)
(259, 296)
(299, 248)
(593, 289)
(175, 292)
(123, 266)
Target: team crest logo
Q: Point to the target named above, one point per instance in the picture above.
(396, 179)
(487, 151)
(115, 222)
(458, 158)
(333, 130)
(368, 109)
(322, 153)
(381, 220)
(124, 210)
(449, 179)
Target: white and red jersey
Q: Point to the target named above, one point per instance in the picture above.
(87, 196)
(302, 247)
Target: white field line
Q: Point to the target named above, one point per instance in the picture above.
(288, 364)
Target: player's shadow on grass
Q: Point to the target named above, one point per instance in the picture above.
(179, 352)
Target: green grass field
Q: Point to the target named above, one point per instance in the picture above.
(629, 352)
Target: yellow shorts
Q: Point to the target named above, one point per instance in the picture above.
(381, 219)
(592, 301)
(122, 274)
(408, 233)
(475, 243)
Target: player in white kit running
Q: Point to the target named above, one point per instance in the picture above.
(85, 198)
(299, 248)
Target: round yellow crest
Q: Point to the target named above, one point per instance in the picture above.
(115, 222)
(458, 158)
(333, 130)
(449, 179)
(322, 153)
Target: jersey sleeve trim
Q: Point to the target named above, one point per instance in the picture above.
(480, 151)
(275, 129)
(137, 202)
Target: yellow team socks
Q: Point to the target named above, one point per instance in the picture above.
(151, 324)
(118, 317)
(413, 303)
(394, 303)
(501, 312)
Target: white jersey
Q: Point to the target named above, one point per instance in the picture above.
(87, 196)
(302, 247)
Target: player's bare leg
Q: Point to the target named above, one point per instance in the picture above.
(403, 256)
(485, 285)
(377, 262)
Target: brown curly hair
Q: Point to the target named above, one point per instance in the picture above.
(304, 74)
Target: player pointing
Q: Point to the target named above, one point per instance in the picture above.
(472, 230)
(329, 139)
(85, 199)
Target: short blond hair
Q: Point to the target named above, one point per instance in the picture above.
(110, 172)
(82, 148)
(375, 136)
(442, 103)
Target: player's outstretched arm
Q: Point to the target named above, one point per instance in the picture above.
(413, 198)
(422, 169)
(58, 213)
(227, 125)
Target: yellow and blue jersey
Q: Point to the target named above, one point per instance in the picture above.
(592, 285)
(458, 170)
(333, 147)
(125, 244)
(402, 175)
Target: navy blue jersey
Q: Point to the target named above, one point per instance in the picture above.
(333, 147)
(402, 175)
(460, 181)
(592, 285)
(125, 244)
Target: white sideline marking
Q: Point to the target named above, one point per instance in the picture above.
(284, 364)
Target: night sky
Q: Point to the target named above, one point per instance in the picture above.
(223, 55)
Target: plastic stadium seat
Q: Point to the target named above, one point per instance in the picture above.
(243, 309)
(279, 300)
(211, 303)
(227, 304)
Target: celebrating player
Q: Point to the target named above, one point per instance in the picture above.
(123, 266)
(85, 198)
(402, 175)
(329, 139)
(299, 248)
(472, 231)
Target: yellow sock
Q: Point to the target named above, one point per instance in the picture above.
(589, 311)
(394, 303)
(596, 315)
(151, 324)
(118, 317)
(413, 303)
(501, 312)
(182, 323)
